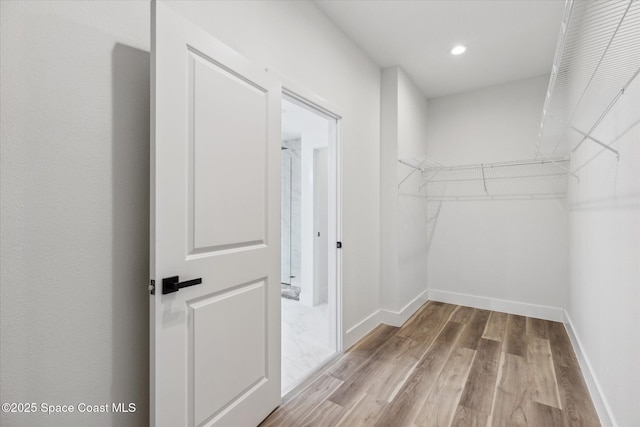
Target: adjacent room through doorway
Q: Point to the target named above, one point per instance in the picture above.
(307, 338)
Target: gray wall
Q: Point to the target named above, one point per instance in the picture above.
(75, 202)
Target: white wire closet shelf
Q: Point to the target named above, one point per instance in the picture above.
(597, 58)
(519, 179)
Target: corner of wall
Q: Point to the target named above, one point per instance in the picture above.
(362, 328)
(388, 189)
(397, 318)
(388, 317)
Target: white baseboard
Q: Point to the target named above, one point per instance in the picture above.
(355, 333)
(599, 401)
(388, 317)
(513, 307)
(397, 318)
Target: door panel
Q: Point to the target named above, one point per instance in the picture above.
(229, 113)
(215, 202)
(222, 376)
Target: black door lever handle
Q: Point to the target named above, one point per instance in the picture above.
(173, 284)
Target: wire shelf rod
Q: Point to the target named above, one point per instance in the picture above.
(499, 178)
(503, 164)
(634, 124)
(597, 141)
(542, 196)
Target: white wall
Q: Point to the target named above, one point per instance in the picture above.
(604, 239)
(403, 214)
(389, 271)
(75, 170)
(412, 119)
(412, 213)
(412, 238)
(75, 207)
(514, 250)
(315, 134)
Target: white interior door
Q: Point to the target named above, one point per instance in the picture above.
(215, 216)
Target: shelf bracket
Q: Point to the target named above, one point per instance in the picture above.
(484, 181)
(602, 116)
(415, 168)
(589, 137)
(406, 177)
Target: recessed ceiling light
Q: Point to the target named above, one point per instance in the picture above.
(458, 50)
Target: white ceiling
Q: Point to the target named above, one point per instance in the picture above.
(507, 40)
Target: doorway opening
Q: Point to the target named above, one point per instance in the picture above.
(309, 232)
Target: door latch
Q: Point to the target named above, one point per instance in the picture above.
(173, 284)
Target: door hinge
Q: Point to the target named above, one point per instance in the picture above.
(152, 287)
(339, 245)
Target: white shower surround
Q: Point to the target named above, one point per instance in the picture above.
(291, 186)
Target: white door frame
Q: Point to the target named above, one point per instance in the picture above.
(311, 101)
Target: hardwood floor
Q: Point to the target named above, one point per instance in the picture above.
(450, 366)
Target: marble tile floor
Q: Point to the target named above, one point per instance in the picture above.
(305, 340)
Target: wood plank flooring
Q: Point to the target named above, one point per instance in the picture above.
(449, 365)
